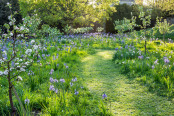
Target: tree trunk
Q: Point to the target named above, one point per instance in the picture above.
(10, 92)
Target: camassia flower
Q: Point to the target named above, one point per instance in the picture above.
(166, 60)
(26, 101)
(104, 96)
(140, 57)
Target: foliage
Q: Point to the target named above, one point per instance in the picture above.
(125, 25)
(125, 11)
(60, 13)
(5, 12)
(165, 6)
(163, 27)
(46, 30)
(100, 29)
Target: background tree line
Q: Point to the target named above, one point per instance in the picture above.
(81, 13)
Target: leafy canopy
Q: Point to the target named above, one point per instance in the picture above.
(61, 12)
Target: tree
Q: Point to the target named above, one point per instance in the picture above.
(5, 12)
(71, 12)
(167, 6)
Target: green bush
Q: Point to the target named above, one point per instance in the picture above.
(125, 11)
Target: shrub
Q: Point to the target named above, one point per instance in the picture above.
(125, 11)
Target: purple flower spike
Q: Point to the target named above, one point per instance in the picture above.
(166, 60)
(56, 81)
(51, 72)
(62, 80)
(140, 57)
(156, 61)
(27, 101)
(56, 90)
(51, 87)
(76, 92)
(104, 96)
(71, 84)
(51, 80)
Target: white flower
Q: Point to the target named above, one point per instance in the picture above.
(32, 41)
(4, 53)
(22, 69)
(22, 35)
(6, 72)
(1, 73)
(1, 61)
(26, 63)
(35, 47)
(8, 3)
(16, 63)
(4, 35)
(10, 23)
(19, 78)
(18, 35)
(21, 28)
(28, 51)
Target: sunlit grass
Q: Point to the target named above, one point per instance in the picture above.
(125, 96)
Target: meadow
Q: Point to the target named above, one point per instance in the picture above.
(46, 72)
(53, 86)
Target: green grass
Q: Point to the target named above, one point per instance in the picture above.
(125, 96)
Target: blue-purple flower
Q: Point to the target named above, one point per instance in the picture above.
(62, 80)
(71, 84)
(52, 88)
(26, 101)
(51, 80)
(73, 80)
(51, 72)
(156, 61)
(166, 60)
(104, 96)
(76, 92)
(140, 57)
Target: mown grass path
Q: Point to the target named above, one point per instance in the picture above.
(126, 97)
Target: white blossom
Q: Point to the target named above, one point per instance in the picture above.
(26, 63)
(22, 69)
(21, 28)
(35, 47)
(6, 72)
(4, 53)
(1, 61)
(32, 41)
(19, 78)
(28, 51)
(1, 73)
(11, 34)
(8, 3)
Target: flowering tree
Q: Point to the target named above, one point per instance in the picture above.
(13, 60)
